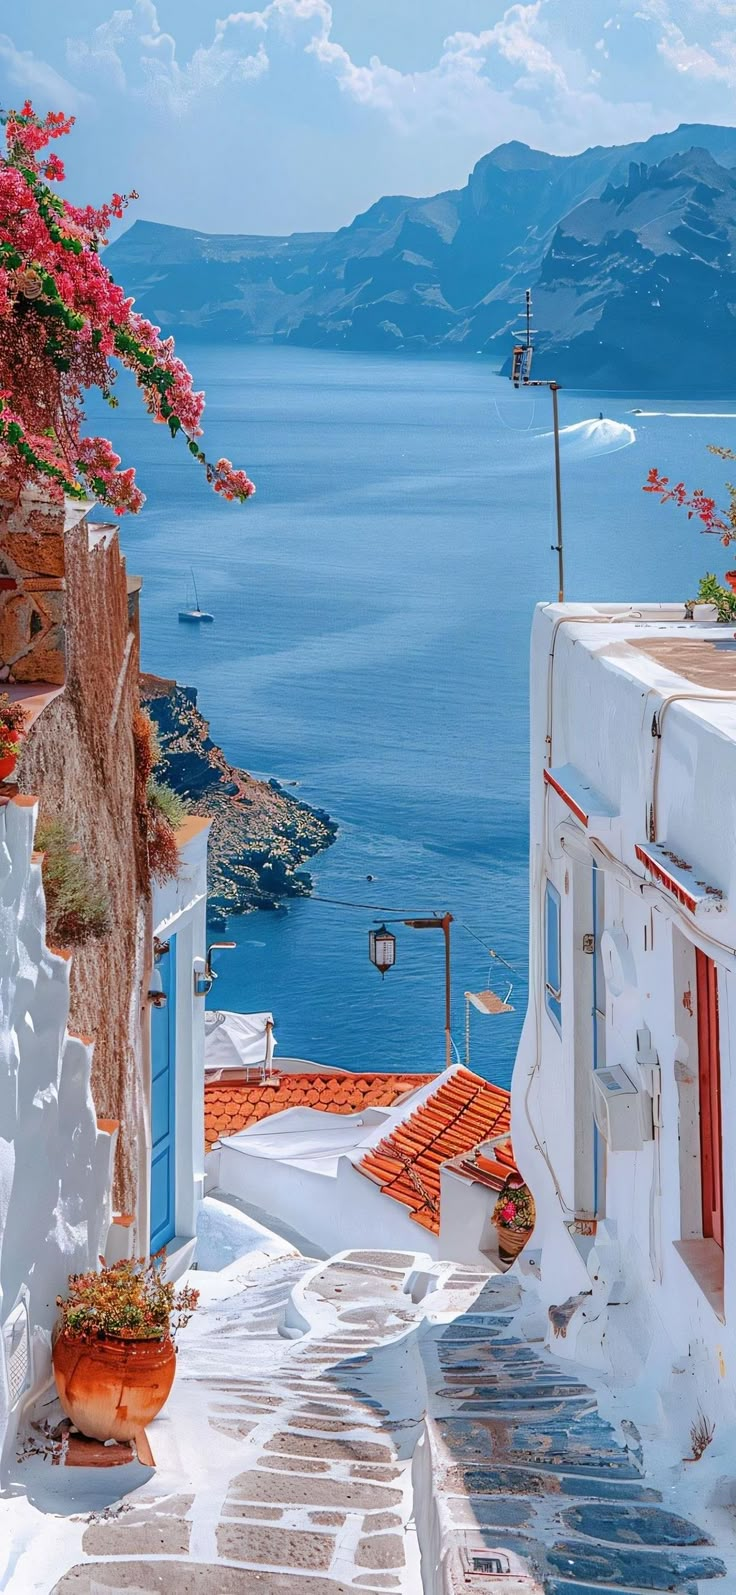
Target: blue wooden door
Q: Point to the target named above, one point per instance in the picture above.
(163, 1105)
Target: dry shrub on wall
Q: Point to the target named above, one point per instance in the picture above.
(159, 810)
(78, 908)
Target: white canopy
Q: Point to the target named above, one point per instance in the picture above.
(238, 1041)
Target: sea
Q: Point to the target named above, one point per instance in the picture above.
(373, 606)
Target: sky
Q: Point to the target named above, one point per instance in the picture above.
(299, 115)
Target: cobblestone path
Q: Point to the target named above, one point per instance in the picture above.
(315, 1465)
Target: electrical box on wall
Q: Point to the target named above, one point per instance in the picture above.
(622, 1111)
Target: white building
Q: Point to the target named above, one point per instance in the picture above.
(633, 994)
(382, 1162)
(56, 1156)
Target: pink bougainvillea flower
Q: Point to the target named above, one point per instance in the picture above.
(63, 324)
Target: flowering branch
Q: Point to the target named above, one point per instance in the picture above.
(63, 320)
(699, 505)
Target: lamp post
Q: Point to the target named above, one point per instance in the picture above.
(521, 376)
(382, 953)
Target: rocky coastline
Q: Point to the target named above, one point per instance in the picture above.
(260, 836)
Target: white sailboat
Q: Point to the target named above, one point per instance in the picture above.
(194, 615)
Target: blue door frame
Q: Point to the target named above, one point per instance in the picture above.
(163, 1105)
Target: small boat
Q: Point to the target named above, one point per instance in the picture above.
(194, 615)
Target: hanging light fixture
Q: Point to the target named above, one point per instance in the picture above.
(382, 949)
(156, 994)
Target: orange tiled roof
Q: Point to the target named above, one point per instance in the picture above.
(492, 1171)
(462, 1111)
(232, 1106)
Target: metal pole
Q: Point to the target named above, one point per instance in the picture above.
(443, 924)
(446, 923)
(554, 389)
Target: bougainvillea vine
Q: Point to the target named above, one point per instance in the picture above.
(65, 327)
(698, 505)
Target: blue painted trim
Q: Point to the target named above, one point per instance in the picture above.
(163, 1145)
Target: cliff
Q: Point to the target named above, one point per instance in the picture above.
(260, 835)
(625, 245)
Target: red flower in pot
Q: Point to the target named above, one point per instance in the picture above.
(13, 719)
(114, 1354)
(730, 579)
(513, 1216)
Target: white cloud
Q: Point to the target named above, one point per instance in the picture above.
(714, 62)
(133, 49)
(720, 8)
(101, 52)
(505, 79)
(33, 76)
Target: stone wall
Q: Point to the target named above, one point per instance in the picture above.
(78, 760)
(54, 1160)
(32, 641)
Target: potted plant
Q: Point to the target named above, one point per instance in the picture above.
(713, 601)
(513, 1216)
(13, 718)
(114, 1349)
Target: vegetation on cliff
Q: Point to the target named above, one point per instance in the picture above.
(260, 834)
(78, 908)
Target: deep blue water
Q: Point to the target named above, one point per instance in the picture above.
(373, 606)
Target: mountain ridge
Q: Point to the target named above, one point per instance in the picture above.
(619, 243)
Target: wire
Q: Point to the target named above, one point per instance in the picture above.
(490, 950)
(529, 424)
(409, 913)
(377, 908)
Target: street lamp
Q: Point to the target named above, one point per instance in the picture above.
(382, 949)
(382, 953)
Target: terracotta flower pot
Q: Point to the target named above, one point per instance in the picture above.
(511, 1242)
(9, 760)
(112, 1388)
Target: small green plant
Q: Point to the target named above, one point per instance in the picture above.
(160, 811)
(163, 800)
(515, 1207)
(77, 905)
(711, 591)
(130, 1300)
(13, 718)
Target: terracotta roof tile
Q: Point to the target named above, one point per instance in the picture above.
(233, 1105)
(459, 1114)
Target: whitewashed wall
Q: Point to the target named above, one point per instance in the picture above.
(54, 1163)
(336, 1211)
(642, 1313)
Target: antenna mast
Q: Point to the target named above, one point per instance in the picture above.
(521, 376)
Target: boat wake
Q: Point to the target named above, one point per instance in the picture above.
(587, 438)
(691, 415)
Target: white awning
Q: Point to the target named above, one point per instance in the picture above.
(238, 1041)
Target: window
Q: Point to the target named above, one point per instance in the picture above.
(552, 961)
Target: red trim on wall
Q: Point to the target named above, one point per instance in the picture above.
(709, 1076)
(665, 879)
(566, 798)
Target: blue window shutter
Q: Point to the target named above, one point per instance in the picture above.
(552, 959)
